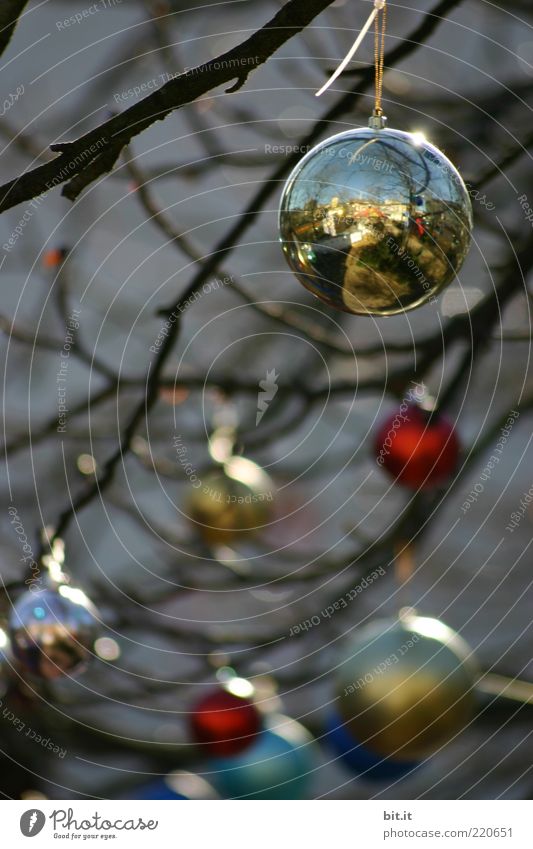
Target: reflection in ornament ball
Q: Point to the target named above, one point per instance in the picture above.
(418, 447)
(375, 221)
(277, 765)
(406, 687)
(233, 500)
(224, 722)
(53, 631)
(359, 759)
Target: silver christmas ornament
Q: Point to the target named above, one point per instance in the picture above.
(53, 631)
(375, 221)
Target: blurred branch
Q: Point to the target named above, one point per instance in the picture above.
(169, 50)
(272, 311)
(477, 326)
(23, 440)
(514, 336)
(27, 337)
(508, 158)
(23, 142)
(10, 12)
(45, 343)
(78, 349)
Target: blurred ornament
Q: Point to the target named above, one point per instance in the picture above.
(277, 765)
(107, 648)
(86, 464)
(158, 789)
(31, 795)
(407, 686)
(224, 721)
(230, 501)
(178, 785)
(173, 395)
(54, 257)
(53, 631)
(418, 447)
(375, 221)
(359, 759)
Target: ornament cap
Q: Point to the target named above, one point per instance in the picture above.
(377, 122)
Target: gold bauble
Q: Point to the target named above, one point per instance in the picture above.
(375, 221)
(231, 501)
(406, 686)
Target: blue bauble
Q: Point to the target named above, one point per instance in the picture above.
(176, 786)
(362, 761)
(277, 765)
(158, 789)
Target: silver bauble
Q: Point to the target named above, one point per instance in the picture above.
(375, 221)
(53, 631)
(406, 686)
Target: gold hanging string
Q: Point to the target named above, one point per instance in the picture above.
(404, 568)
(380, 27)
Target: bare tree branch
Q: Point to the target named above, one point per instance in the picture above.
(94, 154)
(10, 12)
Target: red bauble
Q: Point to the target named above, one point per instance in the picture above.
(226, 723)
(417, 447)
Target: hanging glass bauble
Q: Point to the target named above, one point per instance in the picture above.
(375, 221)
(224, 722)
(53, 631)
(418, 447)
